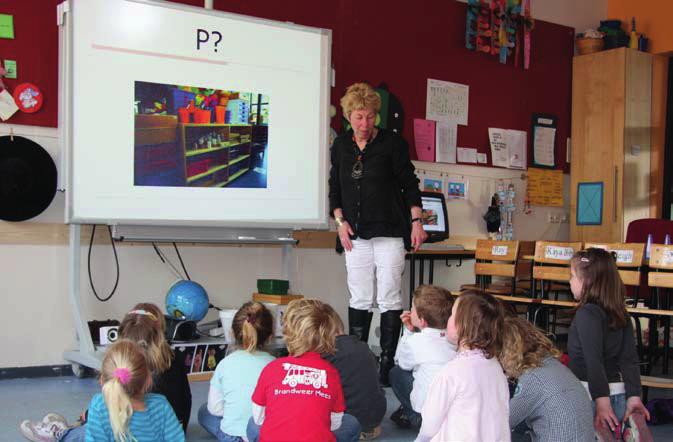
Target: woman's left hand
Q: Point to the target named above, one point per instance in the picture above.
(418, 236)
(635, 405)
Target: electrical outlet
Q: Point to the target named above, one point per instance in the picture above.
(564, 218)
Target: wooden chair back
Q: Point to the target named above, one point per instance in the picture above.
(552, 260)
(661, 259)
(496, 258)
(629, 259)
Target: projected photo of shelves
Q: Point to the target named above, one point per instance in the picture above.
(189, 136)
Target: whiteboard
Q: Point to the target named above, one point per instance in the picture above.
(114, 47)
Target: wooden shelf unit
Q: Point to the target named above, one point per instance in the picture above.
(235, 138)
(611, 138)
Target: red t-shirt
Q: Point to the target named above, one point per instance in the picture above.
(299, 394)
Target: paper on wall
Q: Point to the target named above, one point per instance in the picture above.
(446, 101)
(466, 155)
(424, 139)
(447, 132)
(482, 158)
(497, 138)
(543, 145)
(508, 148)
(7, 105)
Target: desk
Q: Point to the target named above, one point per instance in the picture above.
(432, 255)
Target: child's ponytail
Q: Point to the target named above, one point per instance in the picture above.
(252, 326)
(124, 376)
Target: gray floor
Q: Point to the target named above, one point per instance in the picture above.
(33, 398)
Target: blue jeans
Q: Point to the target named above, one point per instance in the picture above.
(618, 403)
(349, 431)
(75, 434)
(402, 382)
(211, 424)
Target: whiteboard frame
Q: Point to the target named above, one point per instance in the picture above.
(66, 110)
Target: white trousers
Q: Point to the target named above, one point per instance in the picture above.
(377, 261)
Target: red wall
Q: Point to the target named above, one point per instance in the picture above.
(401, 43)
(35, 49)
(404, 43)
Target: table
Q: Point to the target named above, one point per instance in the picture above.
(432, 255)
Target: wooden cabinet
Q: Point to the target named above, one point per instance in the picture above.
(214, 155)
(611, 138)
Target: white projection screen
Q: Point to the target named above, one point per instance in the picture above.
(183, 116)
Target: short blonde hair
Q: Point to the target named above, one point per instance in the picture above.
(360, 96)
(524, 347)
(308, 326)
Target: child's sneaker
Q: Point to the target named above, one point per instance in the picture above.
(50, 431)
(371, 435)
(54, 417)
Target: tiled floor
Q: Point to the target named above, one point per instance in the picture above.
(32, 398)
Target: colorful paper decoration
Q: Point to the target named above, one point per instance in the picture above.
(499, 27)
(28, 97)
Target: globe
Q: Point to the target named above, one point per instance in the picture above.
(187, 300)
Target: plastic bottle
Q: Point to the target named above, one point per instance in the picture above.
(648, 246)
(633, 41)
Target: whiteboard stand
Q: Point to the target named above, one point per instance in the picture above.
(87, 355)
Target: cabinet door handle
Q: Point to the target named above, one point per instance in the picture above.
(614, 195)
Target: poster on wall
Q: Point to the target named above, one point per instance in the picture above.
(446, 101)
(589, 204)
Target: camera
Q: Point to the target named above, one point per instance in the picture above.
(108, 335)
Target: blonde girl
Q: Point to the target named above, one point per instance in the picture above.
(145, 324)
(229, 407)
(125, 411)
(547, 399)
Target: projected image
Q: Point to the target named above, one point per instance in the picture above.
(188, 136)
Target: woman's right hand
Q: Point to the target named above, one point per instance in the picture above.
(605, 416)
(344, 231)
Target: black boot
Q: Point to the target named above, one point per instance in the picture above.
(391, 324)
(359, 322)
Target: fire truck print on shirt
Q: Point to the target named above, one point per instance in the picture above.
(300, 375)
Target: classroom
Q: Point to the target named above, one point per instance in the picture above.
(200, 154)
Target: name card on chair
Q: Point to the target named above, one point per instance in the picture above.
(667, 257)
(499, 250)
(623, 256)
(557, 252)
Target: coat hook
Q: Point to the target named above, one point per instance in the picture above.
(11, 134)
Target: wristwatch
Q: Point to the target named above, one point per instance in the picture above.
(413, 220)
(339, 220)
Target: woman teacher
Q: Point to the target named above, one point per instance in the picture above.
(376, 204)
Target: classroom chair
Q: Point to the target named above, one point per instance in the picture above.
(637, 232)
(660, 278)
(495, 259)
(551, 274)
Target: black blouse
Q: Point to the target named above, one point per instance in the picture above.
(376, 204)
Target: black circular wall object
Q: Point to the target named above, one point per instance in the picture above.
(27, 178)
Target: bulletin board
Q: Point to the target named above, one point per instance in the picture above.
(35, 50)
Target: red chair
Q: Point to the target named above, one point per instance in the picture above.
(637, 231)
